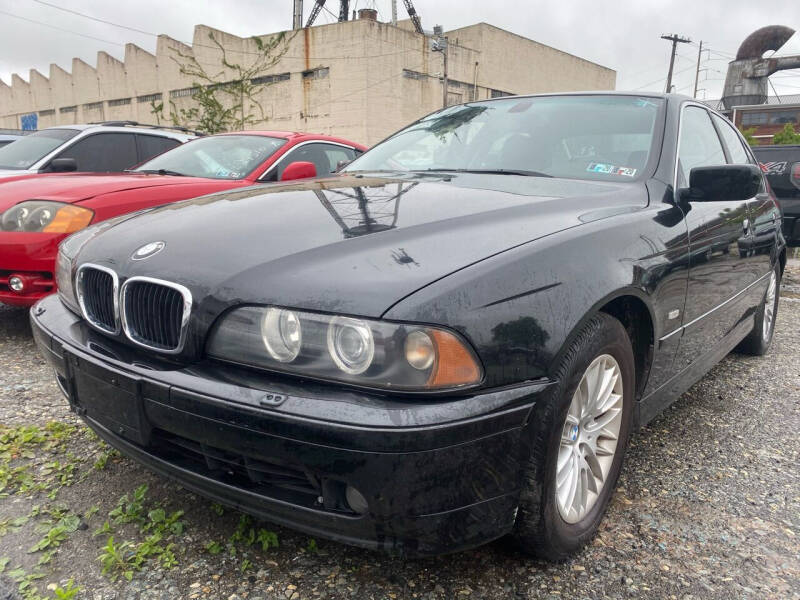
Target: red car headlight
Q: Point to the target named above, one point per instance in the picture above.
(46, 216)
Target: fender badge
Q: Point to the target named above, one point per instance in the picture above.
(148, 250)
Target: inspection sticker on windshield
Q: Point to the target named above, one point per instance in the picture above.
(611, 169)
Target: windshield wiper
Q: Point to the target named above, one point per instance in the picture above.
(494, 172)
(157, 172)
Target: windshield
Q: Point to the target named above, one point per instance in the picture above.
(26, 151)
(582, 137)
(216, 157)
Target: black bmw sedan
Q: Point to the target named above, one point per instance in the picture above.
(449, 341)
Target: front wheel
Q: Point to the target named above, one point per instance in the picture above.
(578, 443)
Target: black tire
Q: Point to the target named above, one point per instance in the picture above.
(539, 528)
(757, 343)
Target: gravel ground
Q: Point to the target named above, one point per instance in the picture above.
(708, 506)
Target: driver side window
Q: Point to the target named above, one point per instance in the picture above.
(699, 144)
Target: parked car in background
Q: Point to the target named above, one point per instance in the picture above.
(449, 341)
(7, 138)
(782, 167)
(36, 213)
(99, 147)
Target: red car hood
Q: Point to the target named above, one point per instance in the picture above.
(75, 188)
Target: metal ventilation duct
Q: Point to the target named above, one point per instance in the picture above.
(748, 75)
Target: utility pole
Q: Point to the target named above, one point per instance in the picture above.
(394, 13)
(675, 39)
(697, 70)
(439, 44)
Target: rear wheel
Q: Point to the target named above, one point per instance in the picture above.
(760, 339)
(578, 442)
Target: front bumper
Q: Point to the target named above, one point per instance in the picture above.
(438, 475)
(32, 257)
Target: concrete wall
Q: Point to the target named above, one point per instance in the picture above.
(360, 79)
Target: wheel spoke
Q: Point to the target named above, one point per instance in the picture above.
(592, 462)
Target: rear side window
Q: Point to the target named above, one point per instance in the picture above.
(153, 145)
(103, 152)
(699, 145)
(736, 150)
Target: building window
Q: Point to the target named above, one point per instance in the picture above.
(119, 102)
(413, 74)
(783, 116)
(318, 73)
(499, 94)
(270, 78)
(68, 109)
(148, 98)
(182, 93)
(93, 106)
(47, 113)
(754, 118)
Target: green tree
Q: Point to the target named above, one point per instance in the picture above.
(221, 103)
(786, 136)
(748, 135)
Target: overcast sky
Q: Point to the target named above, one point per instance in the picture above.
(620, 34)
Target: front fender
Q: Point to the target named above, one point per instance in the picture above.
(521, 308)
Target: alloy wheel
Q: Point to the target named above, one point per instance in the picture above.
(769, 306)
(589, 438)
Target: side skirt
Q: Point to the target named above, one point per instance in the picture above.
(660, 399)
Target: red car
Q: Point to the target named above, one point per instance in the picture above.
(36, 213)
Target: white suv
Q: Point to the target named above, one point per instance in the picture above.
(98, 147)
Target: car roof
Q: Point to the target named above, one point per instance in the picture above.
(121, 126)
(295, 135)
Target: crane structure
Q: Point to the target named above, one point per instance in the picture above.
(344, 9)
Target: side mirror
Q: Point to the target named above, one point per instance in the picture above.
(722, 183)
(299, 170)
(63, 165)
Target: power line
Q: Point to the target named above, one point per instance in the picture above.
(85, 16)
(91, 37)
(285, 56)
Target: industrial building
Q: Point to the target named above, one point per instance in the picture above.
(358, 78)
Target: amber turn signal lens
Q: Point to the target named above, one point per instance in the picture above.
(455, 365)
(69, 219)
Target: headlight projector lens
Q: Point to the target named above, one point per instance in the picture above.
(350, 344)
(281, 333)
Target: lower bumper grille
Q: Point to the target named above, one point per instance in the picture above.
(272, 479)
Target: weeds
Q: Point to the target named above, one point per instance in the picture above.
(126, 558)
(67, 593)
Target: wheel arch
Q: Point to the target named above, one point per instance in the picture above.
(632, 307)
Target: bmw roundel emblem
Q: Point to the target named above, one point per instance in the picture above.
(148, 250)
(573, 434)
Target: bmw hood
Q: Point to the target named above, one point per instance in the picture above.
(348, 244)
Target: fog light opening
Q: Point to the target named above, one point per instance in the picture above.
(356, 500)
(16, 283)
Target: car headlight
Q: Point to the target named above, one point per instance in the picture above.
(364, 352)
(65, 264)
(46, 216)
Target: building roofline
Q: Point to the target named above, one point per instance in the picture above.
(527, 39)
